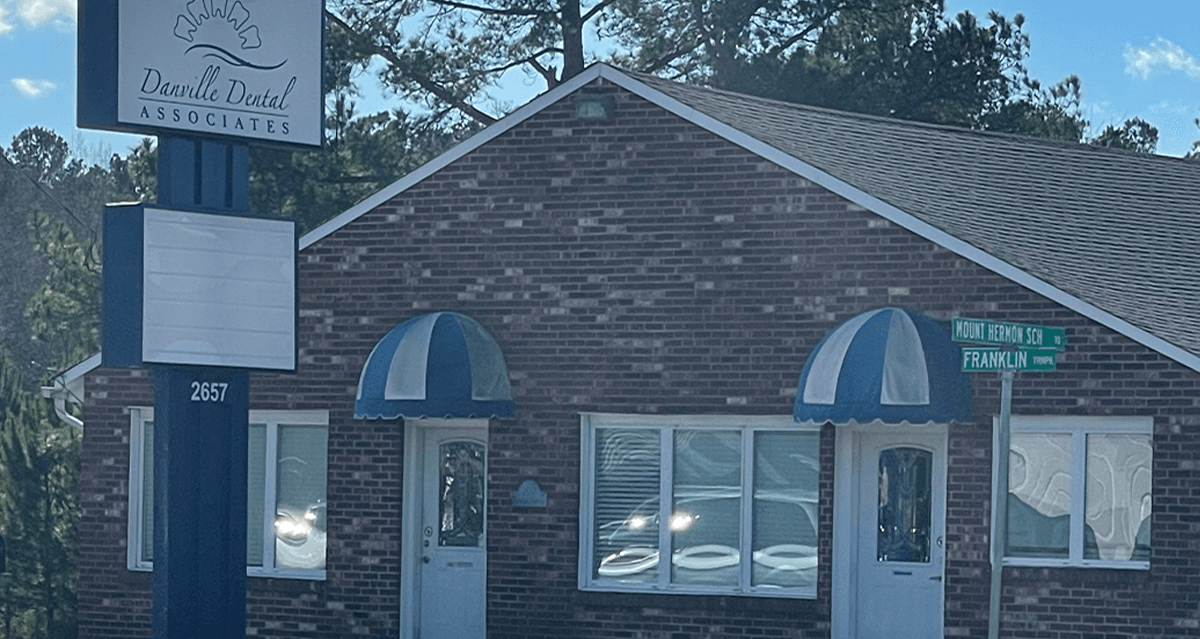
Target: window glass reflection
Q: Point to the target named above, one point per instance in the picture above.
(1039, 503)
(461, 513)
(1117, 497)
(706, 514)
(255, 493)
(300, 497)
(784, 539)
(905, 505)
(626, 515)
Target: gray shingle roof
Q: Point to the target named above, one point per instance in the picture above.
(1116, 229)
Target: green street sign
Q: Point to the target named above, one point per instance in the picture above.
(1006, 333)
(1021, 359)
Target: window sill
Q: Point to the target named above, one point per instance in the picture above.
(764, 593)
(260, 573)
(1132, 565)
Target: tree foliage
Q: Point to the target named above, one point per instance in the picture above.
(361, 155)
(901, 58)
(1135, 134)
(906, 60)
(45, 190)
(64, 312)
(39, 512)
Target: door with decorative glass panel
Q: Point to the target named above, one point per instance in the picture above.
(900, 535)
(453, 548)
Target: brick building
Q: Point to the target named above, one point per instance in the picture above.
(640, 271)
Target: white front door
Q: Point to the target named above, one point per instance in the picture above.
(451, 575)
(899, 538)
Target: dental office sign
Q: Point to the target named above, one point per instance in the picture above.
(231, 68)
(244, 68)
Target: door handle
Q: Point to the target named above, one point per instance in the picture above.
(425, 559)
(935, 578)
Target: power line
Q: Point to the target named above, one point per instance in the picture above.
(40, 187)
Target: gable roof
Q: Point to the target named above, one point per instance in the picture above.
(1110, 234)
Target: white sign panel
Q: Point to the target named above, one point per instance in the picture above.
(243, 68)
(218, 290)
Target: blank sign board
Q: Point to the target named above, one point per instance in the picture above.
(199, 289)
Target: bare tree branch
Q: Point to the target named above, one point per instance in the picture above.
(422, 80)
(813, 25)
(492, 11)
(531, 60)
(596, 9)
(549, 73)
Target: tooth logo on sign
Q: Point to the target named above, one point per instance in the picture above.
(216, 20)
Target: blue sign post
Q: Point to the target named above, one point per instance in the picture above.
(193, 288)
(200, 440)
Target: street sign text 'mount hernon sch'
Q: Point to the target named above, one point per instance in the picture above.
(1008, 333)
(226, 68)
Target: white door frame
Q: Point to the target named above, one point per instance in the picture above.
(845, 517)
(412, 514)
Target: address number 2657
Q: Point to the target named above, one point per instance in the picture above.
(209, 391)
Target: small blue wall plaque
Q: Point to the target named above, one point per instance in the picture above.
(529, 495)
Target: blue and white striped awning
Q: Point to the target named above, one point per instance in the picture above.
(435, 365)
(887, 365)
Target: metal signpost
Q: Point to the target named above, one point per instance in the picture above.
(1014, 347)
(196, 288)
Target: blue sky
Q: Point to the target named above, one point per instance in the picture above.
(1135, 60)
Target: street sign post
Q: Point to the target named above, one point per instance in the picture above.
(1013, 347)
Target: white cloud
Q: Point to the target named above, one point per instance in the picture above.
(60, 13)
(33, 89)
(6, 27)
(1142, 62)
(36, 12)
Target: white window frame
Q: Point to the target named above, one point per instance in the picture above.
(667, 425)
(1078, 427)
(138, 416)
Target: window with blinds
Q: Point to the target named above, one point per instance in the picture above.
(699, 505)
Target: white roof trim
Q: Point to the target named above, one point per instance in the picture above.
(893, 214)
(67, 383)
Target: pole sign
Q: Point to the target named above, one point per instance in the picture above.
(1007, 334)
(1021, 359)
(248, 69)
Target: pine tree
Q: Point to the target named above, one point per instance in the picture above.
(39, 461)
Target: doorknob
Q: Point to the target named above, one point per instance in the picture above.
(425, 559)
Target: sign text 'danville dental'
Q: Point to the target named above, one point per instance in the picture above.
(222, 67)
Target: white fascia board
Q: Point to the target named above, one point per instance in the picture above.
(901, 218)
(70, 381)
(470, 144)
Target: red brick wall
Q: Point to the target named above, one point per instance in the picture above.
(644, 265)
